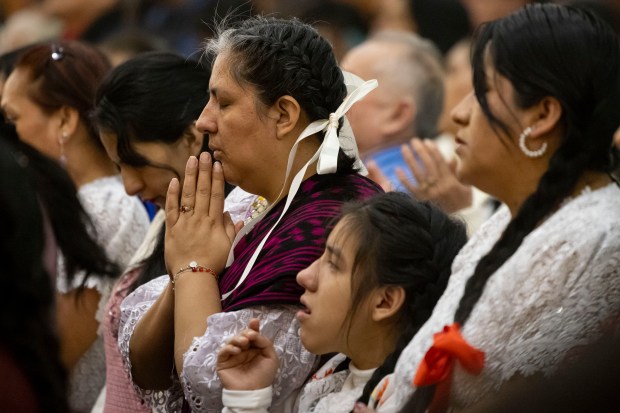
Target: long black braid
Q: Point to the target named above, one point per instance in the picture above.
(547, 50)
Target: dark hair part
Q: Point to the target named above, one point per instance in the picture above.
(406, 243)
(153, 97)
(65, 73)
(281, 57)
(547, 50)
(26, 299)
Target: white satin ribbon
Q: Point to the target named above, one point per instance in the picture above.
(327, 156)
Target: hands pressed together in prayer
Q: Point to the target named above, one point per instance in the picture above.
(435, 177)
(197, 228)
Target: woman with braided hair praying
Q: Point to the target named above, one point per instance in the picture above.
(276, 126)
(540, 279)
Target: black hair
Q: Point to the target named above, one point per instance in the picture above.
(74, 232)
(26, 298)
(547, 50)
(153, 97)
(281, 57)
(406, 243)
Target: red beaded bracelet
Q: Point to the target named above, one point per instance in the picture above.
(193, 267)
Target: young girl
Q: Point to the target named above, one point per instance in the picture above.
(384, 266)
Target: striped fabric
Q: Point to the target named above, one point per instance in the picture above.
(298, 241)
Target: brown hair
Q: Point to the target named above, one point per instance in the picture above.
(65, 73)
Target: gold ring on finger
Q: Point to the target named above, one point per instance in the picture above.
(186, 208)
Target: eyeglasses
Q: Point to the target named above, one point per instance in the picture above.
(58, 53)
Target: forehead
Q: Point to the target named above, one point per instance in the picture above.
(222, 75)
(343, 238)
(14, 85)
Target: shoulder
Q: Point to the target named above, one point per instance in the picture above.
(588, 222)
(340, 186)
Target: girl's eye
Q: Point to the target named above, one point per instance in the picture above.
(332, 265)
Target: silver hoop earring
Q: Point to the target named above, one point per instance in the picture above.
(527, 151)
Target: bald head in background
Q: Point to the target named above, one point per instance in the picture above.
(409, 99)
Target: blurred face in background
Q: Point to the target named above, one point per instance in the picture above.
(457, 83)
(34, 127)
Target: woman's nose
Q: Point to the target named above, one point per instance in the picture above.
(131, 181)
(461, 112)
(205, 122)
(307, 278)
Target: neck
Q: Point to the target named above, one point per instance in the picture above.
(86, 162)
(279, 189)
(366, 357)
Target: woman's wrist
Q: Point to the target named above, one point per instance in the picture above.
(195, 268)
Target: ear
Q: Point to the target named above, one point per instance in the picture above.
(546, 116)
(193, 139)
(69, 118)
(286, 112)
(387, 301)
(400, 117)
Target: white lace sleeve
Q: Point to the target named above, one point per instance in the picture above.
(202, 385)
(133, 307)
(553, 296)
(120, 222)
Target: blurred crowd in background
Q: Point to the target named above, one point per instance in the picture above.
(125, 27)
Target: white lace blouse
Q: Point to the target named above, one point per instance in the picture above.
(327, 391)
(121, 223)
(199, 379)
(551, 297)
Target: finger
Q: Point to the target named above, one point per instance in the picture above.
(438, 159)
(188, 194)
(375, 173)
(425, 158)
(216, 206)
(416, 170)
(240, 340)
(227, 351)
(172, 203)
(254, 324)
(203, 185)
(405, 181)
(238, 226)
(229, 227)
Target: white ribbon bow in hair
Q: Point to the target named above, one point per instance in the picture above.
(327, 163)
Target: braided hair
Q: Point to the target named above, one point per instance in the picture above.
(405, 243)
(547, 50)
(281, 57)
